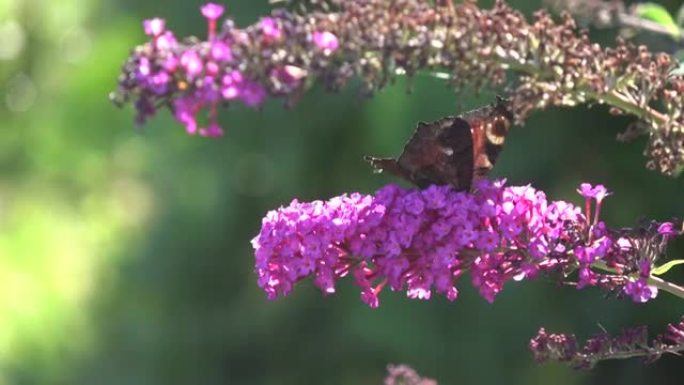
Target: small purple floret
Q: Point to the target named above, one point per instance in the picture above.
(252, 93)
(212, 11)
(599, 192)
(185, 110)
(270, 29)
(192, 63)
(165, 42)
(220, 51)
(213, 130)
(667, 229)
(154, 27)
(326, 41)
(231, 84)
(639, 290)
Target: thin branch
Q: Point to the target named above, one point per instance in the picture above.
(613, 98)
(639, 23)
(669, 287)
(612, 14)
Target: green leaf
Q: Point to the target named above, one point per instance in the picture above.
(680, 17)
(678, 71)
(658, 14)
(662, 269)
(678, 170)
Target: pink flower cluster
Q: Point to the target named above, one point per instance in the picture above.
(422, 241)
(192, 76)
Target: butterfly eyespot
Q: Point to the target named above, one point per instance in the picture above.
(497, 130)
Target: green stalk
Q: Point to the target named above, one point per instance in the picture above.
(658, 282)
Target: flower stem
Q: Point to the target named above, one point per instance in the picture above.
(616, 99)
(613, 98)
(664, 285)
(658, 282)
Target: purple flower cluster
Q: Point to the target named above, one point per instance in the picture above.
(192, 76)
(422, 241)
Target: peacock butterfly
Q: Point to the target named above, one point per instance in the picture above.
(454, 150)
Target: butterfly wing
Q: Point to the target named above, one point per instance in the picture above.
(489, 129)
(387, 165)
(451, 150)
(440, 153)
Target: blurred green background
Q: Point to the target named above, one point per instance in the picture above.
(125, 254)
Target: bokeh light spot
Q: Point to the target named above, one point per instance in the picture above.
(13, 38)
(21, 93)
(76, 45)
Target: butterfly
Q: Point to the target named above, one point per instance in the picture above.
(455, 150)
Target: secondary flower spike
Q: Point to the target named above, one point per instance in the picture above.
(632, 342)
(423, 241)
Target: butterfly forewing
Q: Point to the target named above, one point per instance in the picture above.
(387, 165)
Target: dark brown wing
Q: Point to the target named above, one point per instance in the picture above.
(452, 150)
(387, 165)
(439, 152)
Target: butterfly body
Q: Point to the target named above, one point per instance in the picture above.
(454, 150)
